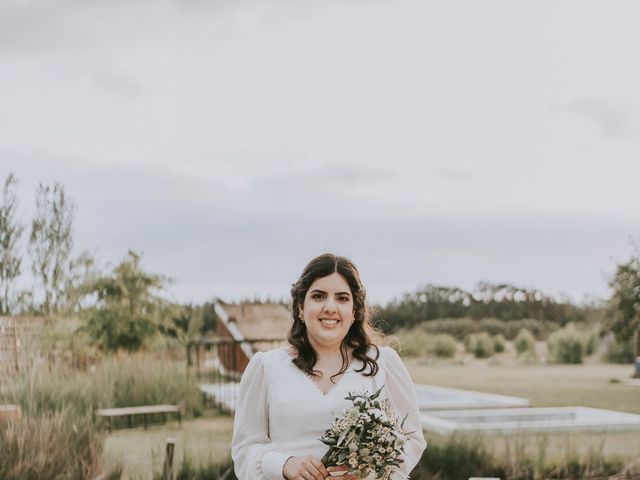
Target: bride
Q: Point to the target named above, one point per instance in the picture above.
(289, 396)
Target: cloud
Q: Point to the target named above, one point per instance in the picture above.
(455, 175)
(318, 178)
(216, 241)
(611, 120)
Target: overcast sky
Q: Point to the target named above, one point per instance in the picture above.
(432, 142)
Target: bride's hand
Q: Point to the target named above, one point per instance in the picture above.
(344, 476)
(304, 468)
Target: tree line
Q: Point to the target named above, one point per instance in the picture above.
(487, 300)
(620, 314)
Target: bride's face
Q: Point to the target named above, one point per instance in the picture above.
(328, 311)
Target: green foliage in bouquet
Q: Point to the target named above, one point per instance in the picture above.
(367, 437)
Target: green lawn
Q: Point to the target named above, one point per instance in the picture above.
(544, 385)
(142, 451)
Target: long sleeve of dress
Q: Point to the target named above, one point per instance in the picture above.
(252, 451)
(403, 398)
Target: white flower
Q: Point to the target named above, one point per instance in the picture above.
(371, 431)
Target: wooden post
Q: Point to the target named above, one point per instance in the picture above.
(15, 344)
(167, 471)
(198, 360)
(636, 374)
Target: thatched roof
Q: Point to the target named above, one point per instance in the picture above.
(267, 320)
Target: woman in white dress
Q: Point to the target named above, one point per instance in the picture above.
(289, 396)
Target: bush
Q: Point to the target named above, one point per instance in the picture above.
(566, 345)
(540, 330)
(499, 343)
(443, 346)
(620, 352)
(458, 328)
(493, 326)
(480, 344)
(524, 342)
(413, 342)
(591, 339)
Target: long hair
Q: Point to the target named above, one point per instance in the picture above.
(361, 333)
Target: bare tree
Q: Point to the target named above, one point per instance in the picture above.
(50, 244)
(10, 259)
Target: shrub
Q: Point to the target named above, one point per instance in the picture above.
(539, 329)
(480, 344)
(566, 345)
(443, 346)
(524, 342)
(620, 352)
(591, 340)
(499, 343)
(493, 326)
(458, 328)
(413, 342)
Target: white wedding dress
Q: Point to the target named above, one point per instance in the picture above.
(282, 413)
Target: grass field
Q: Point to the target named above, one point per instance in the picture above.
(142, 451)
(551, 385)
(545, 385)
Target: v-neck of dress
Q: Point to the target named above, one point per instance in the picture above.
(313, 382)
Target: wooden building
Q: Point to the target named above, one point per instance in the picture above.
(249, 327)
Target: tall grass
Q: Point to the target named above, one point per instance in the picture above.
(115, 382)
(461, 457)
(57, 437)
(48, 447)
(208, 470)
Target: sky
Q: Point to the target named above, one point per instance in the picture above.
(443, 143)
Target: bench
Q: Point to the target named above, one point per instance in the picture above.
(10, 411)
(144, 410)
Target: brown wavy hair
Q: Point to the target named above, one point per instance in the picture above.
(361, 334)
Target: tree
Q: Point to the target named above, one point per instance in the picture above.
(50, 244)
(10, 259)
(625, 304)
(128, 312)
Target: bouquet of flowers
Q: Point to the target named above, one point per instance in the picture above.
(367, 437)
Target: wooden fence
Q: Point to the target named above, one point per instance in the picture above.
(16, 339)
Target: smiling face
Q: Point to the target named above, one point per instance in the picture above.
(328, 312)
